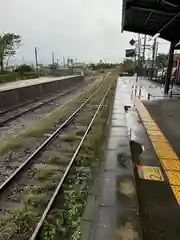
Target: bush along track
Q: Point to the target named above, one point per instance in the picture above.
(26, 199)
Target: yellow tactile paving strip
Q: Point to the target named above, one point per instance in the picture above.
(168, 158)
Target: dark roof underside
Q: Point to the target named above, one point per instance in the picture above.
(151, 17)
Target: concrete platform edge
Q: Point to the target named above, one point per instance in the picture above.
(19, 95)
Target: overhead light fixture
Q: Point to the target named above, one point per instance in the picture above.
(154, 37)
(177, 45)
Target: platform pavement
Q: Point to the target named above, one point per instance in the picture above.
(157, 175)
(30, 82)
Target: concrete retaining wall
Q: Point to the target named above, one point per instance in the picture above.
(20, 95)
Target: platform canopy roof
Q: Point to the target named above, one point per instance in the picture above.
(151, 17)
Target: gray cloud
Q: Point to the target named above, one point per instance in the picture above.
(83, 29)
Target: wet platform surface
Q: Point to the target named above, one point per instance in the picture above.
(136, 194)
(29, 82)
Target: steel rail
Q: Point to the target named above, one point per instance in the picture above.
(2, 123)
(58, 188)
(44, 144)
(25, 103)
(14, 107)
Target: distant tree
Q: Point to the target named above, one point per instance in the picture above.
(9, 43)
(53, 66)
(162, 60)
(24, 68)
(12, 54)
(101, 65)
(92, 66)
(127, 65)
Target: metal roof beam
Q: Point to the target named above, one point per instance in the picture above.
(169, 22)
(153, 11)
(162, 17)
(155, 7)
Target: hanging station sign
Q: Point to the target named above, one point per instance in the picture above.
(130, 52)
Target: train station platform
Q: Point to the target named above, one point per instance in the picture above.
(18, 92)
(29, 82)
(137, 194)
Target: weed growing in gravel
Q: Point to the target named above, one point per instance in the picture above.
(17, 223)
(55, 158)
(34, 195)
(65, 223)
(9, 143)
(46, 172)
(70, 136)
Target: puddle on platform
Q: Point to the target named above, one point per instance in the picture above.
(127, 232)
(124, 160)
(126, 187)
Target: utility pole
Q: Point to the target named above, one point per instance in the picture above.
(169, 70)
(23, 60)
(135, 61)
(36, 58)
(157, 46)
(156, 54)
(144, 49)
(139, 52)
(68, 62)
(153, 58)
(53, 59)
(64, 63)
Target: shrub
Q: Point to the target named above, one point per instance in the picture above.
(10, 77)
(29, 75)
(24, 68)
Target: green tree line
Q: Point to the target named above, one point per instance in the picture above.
(9, 43)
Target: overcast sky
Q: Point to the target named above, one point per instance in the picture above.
(88, 30)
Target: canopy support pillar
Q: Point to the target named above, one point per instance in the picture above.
(170, 65)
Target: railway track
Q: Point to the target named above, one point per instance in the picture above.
(42, 165)
(15, 112)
